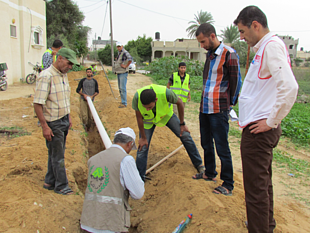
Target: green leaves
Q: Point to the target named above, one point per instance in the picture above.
(200, 18)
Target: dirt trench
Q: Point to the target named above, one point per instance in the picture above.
(171, 194)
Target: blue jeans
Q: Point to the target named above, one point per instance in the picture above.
(56, 171)
(122, 81)
(174, 125)
(215, 127)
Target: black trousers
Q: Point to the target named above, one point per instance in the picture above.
(257, 155)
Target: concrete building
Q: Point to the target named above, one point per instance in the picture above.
(23, 36)
(100, 44)
(291, 45)
(180, 47)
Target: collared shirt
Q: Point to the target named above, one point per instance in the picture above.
(181, 77)
(53, 92)
(47, 59)
(275, 64)
(221, 80)
(130, 179)
(126, 55)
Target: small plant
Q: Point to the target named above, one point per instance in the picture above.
(72, 152)
(14, 131)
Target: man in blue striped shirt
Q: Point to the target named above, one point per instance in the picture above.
(221, 86)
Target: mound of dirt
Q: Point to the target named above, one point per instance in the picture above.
(170, 196)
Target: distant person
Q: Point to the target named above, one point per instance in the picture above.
(152, 106)
(112, 177)
(221, 86)
(49, 56)
(93, 68)
(179, 83)
(267, 96)
(122, 63)
(52, 106)
(87, 87)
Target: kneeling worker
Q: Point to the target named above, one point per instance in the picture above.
(153, 108)
(112, 176)
(179, 83)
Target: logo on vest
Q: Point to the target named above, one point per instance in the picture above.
(256, 59)
(99, 179)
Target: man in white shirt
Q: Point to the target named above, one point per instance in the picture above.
(268, 93)
(112, 177)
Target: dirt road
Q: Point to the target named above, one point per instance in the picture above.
(171, 194)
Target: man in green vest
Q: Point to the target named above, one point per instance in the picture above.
(93, 68)
(179, 83)
(112, 177)
(49, 56)
(153, 108)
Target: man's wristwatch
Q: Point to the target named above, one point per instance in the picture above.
(182, 123)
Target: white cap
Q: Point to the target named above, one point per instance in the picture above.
(118, 43)
(129, 132)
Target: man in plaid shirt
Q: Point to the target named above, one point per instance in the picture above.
(52, 106)
(221, 86)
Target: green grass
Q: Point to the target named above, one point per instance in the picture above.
(111, 75)
(296, 166)
(14, 131)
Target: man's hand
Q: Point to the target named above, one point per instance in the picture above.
(123, 66)
(54, 53)
(47, 133)
(85, 97)
(189, 98)
(142, 142)
(259, 127)
(183, 128)
(70, 122)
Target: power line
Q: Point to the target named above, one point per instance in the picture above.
(90, 5)
(104, 18)
(94, 9)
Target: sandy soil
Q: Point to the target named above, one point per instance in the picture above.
(171, 194)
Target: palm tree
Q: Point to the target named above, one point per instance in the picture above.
(230, 34)
(200, 18)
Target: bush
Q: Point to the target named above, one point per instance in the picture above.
(298, 61)
(105, 55)
(307, 64)
(78, 68)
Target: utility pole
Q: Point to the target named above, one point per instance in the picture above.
(112, 44)
(95, 48)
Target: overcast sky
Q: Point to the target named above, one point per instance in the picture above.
(133, 18)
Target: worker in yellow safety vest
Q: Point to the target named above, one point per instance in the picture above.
(49, 56)
(93, 68)
(153, 108)
(179, 83)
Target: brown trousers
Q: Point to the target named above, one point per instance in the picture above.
(87, 117)
(256, 154)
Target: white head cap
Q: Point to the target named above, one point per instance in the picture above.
(129, 132)
(118, 43)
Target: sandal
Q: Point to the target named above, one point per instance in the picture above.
(200, 176)
(222, 190)
(201, 168)
(48, 187)
(65, 191)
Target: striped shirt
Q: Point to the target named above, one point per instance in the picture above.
(221, 80)
(53, 92)
(126, 55)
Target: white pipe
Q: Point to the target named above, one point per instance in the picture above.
(103, 134)
(164, 159)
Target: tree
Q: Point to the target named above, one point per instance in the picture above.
(64, 22)
(241, 48)
(200, 18)
(143, 46)
(105, 54)
(230, 34)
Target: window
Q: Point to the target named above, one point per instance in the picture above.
(291, 46)
(13, 30)
(36, 38)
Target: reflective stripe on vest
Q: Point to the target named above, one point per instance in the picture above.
(103, 199)
(181, 90)
(164, 110)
